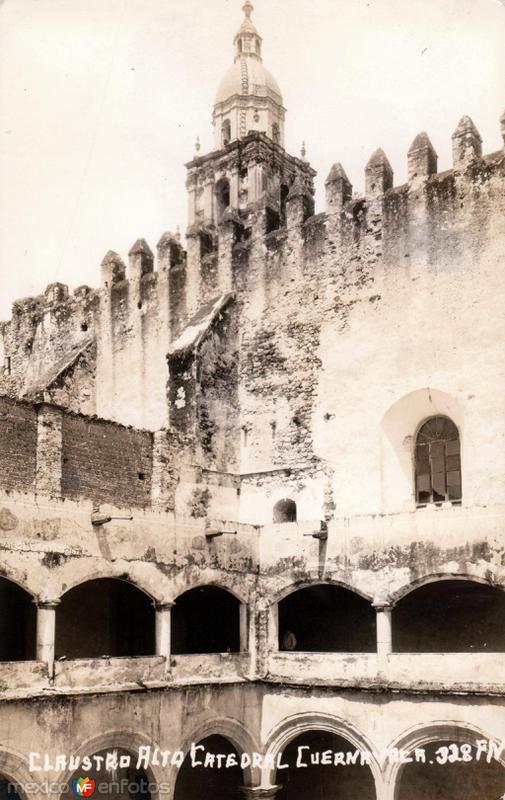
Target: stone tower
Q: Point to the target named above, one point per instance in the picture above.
(242, 190)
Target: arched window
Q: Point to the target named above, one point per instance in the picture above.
(105, 617)
(326, 619)
(206, 620)
(276, 135)
(437, 462)
(450, 616)
(222, 196)
(226, 132)
(285, 511)
(17, 623)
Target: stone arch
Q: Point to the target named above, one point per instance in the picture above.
(346, 620)
(239, 736)
(291, 587)
(433, 577)
(399, 427)
(207, 577)
(11, 574)
(123, 739)
(225, 132)
(471, 623)
(285, 510)
(423, 734)
(105, 616)
(18, 621)
(208, 618)
(150, 580)
(14, 768)
(291, 727)
(437, 461)
(222, 194)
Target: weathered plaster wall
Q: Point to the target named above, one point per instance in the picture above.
(254, 718)
(351, 312)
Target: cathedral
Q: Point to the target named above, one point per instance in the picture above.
(252, 506)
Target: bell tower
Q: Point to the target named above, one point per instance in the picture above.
(242, 189)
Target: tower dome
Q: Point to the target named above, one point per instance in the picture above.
(248, 97)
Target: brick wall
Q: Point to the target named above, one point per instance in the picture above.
(18, 445)
(106, 462)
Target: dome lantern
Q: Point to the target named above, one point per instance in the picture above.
(248, 98)
(247, 41)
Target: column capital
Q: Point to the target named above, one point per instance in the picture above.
(265, 793)
(47, 605)
(384, 607)
(163, 606)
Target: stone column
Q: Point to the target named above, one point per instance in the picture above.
(263, 792)
(244, 628)
(384, 631)
(163, 623)
(46, 629)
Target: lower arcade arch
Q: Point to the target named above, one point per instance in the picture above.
(115, 774)
(451, 763)
(322, 765)
(105, 617)
(18, 620)
(14, 777)
(216, 781)
(8, 789)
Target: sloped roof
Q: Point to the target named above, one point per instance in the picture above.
(51, 375)
(198, 326)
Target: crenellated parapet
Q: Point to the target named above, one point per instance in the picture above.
(90, 350)
(251, 232)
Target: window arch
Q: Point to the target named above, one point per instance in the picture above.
(326, 618)
(17, 623)
(206, 619)
(276, 134)
(105, 616)
(226, 132)
(285, 511)
(222, 196)
(471, 621)
(437, 462)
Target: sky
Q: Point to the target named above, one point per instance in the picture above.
(101, 102)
